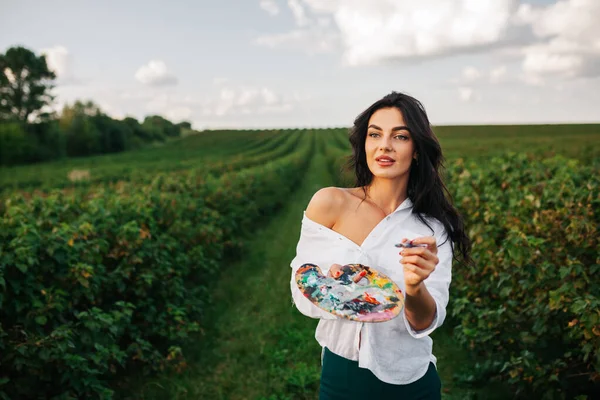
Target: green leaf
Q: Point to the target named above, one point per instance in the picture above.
(41, 320)
(22, 267)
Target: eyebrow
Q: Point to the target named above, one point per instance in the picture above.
(394, 129)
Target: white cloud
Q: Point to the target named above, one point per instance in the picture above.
(111, 111)
(377, 31)
(498, 73)
(178, 114)
(59, 61)
(474, 76)
(298, 12)
(465, 93)
(326, 6)
(311, 35)
(560, 40)
(268, 96)
(471, 74)
(542, 60)
(525, 14)
(270, 7)
(155, 73)
(173, 106)
(311, 41)
(468, 94)
(569, 44)
(572, 19)
(324, 22)
(247, 100)
(57, 58)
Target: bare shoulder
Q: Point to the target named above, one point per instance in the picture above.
(326, 205)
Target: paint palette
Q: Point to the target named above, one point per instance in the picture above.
(359, 294)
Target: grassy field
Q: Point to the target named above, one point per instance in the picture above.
(192, 153)
(258, 345)
(254, 344)
(574, 141)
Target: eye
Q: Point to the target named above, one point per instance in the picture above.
(401, 137)
(373, 134)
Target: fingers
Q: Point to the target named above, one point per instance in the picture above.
(429, 241)
(418, 262)
(424, 246)
(420, 253)
(419, 258)
(335, 271)
(420, 272)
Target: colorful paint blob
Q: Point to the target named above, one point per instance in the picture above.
(359, 294)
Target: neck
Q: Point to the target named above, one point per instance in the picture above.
(387, 194)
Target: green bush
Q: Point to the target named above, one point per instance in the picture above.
(101, 281)
(16, 145)
(83, 138)
(530, 305)
(51, 141)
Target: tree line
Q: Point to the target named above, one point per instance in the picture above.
(31, 132)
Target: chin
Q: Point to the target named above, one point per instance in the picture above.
(387, 174)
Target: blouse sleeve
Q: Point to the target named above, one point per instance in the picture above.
(438, 285)
(309, 250)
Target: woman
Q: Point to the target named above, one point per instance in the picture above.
(399, 196)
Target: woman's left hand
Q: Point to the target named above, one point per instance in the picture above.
(418, 262)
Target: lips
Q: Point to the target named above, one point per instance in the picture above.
(384, 159)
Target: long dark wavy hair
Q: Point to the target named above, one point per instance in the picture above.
(426, 188)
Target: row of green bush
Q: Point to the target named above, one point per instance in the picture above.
(530, 304)
(188, 154)
(97, 283)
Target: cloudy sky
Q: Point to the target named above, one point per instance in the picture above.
(318, 63)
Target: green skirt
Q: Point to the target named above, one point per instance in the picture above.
(342, 379)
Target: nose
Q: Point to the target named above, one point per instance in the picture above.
(385, 144)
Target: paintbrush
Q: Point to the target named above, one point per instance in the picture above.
(408, 245)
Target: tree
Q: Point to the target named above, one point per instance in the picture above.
(88, 108)
(184, 125)
(83, 139)
(25, 84)
(16, 146)
(115, 136)
(162, 125)
(83, 136)
(140, 135)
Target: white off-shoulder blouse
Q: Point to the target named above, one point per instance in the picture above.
(392, 350)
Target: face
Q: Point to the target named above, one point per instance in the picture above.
(389, 145)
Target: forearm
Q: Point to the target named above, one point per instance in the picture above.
(419, 307)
